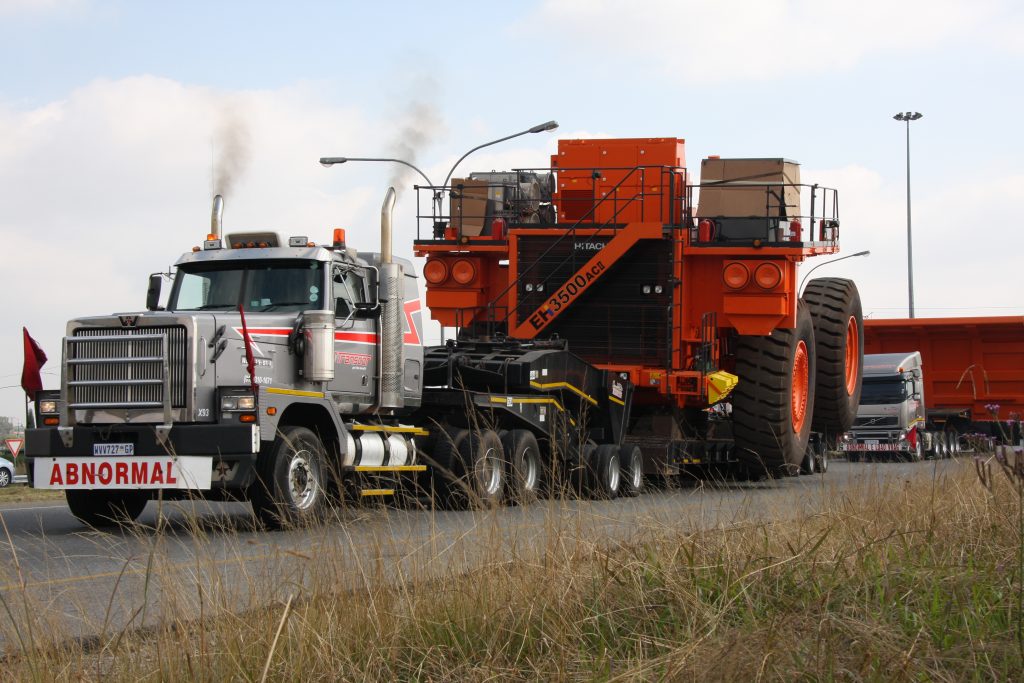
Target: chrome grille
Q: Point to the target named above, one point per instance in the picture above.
(124, 367)
(877, 421)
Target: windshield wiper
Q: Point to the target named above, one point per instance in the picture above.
(282, 303)
(211, 307)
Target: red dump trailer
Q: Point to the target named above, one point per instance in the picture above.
(973, 367)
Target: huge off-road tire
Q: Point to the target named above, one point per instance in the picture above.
(291, 484)
(834, 304)
(774, 400)
(106, 508)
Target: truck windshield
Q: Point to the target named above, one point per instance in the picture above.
(260, 286)
(876, 391)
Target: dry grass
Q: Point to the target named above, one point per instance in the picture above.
(904, 580)
(19, 493)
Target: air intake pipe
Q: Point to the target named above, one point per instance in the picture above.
(392, 281)
(217, 217)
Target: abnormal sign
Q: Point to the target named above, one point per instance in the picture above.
(147, 472)
(14, 446)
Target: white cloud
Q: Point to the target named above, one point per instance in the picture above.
(114, 182)
(965, 250)
(702, 42)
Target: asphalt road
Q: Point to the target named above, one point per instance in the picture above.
(63, 580)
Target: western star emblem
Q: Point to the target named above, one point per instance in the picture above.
(128, 320)
(222, 470)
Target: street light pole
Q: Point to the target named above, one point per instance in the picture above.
(908, 117)
(331, 161)
(539, 128)
(841, 258)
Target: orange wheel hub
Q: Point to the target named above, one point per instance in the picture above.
(800, 386)
(852, 357)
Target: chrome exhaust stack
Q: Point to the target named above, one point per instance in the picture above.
(391, 287)
(217, 217)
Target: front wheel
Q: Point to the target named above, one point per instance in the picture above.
(290, 489)
(5, 478)
(106, 508)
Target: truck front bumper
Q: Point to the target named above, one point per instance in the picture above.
(228, 450)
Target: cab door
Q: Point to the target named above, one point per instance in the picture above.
(355, 337)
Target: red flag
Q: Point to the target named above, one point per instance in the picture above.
(250, 362)
(31, 382)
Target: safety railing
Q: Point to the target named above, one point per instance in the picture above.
(764, 213)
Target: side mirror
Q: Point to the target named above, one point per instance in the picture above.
(153, 293)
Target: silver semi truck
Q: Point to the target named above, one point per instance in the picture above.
(289, 373)
(891, 417)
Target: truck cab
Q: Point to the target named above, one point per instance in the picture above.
(891, 415)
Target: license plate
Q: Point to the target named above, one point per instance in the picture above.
(113, 449)
(871, 442)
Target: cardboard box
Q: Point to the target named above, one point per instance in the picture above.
(749, 188)
(470, 209)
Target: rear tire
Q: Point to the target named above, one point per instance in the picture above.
(106, 508)
(483, 461)
(524, 465)
(835, 308)
(446, 470)
(5, 478)
(774, 400)
(631, 460)
(290, 488)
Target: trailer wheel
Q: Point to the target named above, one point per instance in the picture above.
(105, 508)
(835, 309)
(605, 475)
(774, 400)
(290, 488)
(810, 461)
(631, 460)
(524, 465)
(483, 460)
(822, 461)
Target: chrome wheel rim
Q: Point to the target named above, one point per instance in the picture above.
(530, 470)
(5, 477)
(302, 480)
(614, 474)
(636, 473)
(490, 472)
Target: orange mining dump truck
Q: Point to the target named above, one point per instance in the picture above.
(688, 292)
(973, 368)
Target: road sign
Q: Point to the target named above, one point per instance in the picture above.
(14, 446)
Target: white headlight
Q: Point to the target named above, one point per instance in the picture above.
(246, 402)
(47, 406)
(229, 403)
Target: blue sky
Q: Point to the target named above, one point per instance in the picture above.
(112, 114)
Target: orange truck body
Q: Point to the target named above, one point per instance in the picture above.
(970, 365)
(632, 198)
